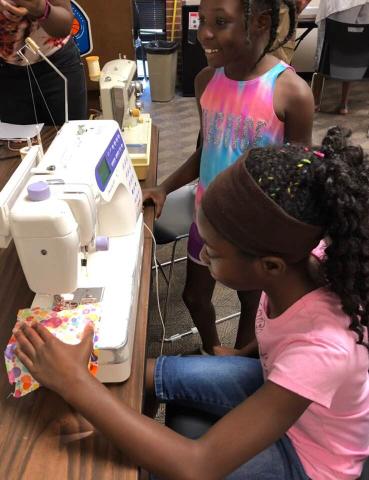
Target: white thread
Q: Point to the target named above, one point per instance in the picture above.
(157, 289)
(29, 69)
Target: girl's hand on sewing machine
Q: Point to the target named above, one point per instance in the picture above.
(157, 195)
(52, 363)
(11, 11)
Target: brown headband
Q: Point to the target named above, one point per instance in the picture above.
(243, 214)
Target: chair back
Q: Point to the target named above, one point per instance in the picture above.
(177, 215)
(345, 52)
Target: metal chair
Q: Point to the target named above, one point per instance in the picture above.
(345, 54)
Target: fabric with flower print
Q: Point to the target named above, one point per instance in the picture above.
(66, 325)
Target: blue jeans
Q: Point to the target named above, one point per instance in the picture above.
(216, 385)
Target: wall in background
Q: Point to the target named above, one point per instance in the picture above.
(177, 28)
(178, 19)
(111, 29)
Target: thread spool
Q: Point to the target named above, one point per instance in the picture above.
(93, 68)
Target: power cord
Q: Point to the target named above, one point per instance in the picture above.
(157, 289)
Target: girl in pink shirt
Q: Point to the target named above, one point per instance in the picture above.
(301, 410)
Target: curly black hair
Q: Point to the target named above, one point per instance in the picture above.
(327, 186)
(274, 7)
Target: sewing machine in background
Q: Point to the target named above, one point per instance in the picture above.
(76, 220)
(120, 101)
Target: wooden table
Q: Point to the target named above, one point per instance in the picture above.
(38, 432)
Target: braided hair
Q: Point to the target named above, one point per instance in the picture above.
(274, 6)
(326, 186)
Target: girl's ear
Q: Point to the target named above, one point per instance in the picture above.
(273, 266)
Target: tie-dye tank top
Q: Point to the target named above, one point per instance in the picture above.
(236, 116)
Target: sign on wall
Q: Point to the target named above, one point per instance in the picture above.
(193, 21)
(81, 29)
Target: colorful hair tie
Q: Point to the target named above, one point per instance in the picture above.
(319, 154)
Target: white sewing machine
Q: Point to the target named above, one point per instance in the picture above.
(119, 96)
(75, 217)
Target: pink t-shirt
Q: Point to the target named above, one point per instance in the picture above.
(310, 351)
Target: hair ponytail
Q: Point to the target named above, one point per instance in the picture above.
(343, 181)
(326, 186)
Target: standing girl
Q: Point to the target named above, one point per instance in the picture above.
(300, 412)
(246, 98)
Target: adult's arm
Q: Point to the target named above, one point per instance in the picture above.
(60, 18)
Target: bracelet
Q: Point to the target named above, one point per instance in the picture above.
(46, 13)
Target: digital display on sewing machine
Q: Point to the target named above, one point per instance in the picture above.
(104, 172)
(109, 161)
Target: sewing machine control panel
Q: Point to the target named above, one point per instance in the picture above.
(109, 161)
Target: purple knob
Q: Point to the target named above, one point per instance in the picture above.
(38, 191)
(102, 243)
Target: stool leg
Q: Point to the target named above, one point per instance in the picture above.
(170, 279)
(160, 267)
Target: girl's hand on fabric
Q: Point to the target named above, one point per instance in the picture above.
(35, 8)
(156, 195)
(222, 351)
(53, 363)
(11, 11)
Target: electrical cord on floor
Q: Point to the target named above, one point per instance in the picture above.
(157, 289)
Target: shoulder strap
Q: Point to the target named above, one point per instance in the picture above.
(276, 71)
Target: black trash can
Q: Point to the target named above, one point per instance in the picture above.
(162, 61)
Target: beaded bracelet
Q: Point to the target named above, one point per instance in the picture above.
(46, 13)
